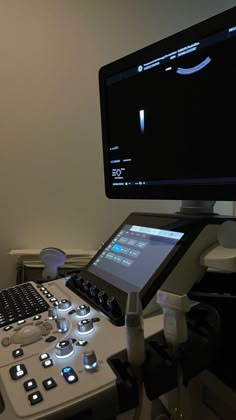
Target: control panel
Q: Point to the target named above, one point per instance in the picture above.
(54, 364)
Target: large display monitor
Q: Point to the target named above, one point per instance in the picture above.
(168, 116)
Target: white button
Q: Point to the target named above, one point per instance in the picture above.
(19, 373)
(44, 356)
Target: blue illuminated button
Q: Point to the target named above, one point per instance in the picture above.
(116, 248)
(69, 375)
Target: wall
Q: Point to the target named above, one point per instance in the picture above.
(51, 179)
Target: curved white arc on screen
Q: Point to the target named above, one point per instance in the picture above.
(191, 70)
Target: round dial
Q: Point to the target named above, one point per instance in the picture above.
(64, 348)
(52, 312)
(62, 324)
(82, 310)
(64, 304)
(89, 359)
(85, 326)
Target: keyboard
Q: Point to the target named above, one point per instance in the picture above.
(20, 302)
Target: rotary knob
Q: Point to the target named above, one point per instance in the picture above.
(64, 304)
(86, 286)
(82, 310)
(90, 360)
(93, 291)
(102, 297)
(62, 324)
(85, 326)
(64, 348)
(77, 281)
(113, 306)
(52, 312)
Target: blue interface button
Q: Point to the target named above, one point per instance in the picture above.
(116, 248)
(69, 375)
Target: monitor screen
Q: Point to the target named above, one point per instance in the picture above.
(168, 116)
(132, 256)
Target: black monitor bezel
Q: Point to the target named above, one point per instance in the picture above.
(224, 191)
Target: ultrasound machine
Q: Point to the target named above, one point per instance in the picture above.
(151, 318)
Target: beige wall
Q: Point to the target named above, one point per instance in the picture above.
(51, 180)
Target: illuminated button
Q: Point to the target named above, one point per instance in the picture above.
(35, 398)
(36, 317)
(69, 375)
(49, 383)
(81, 343)
(85, 326)
(18, 371)
(82, 310)
(30, 384)
(7, 328)
(43, 356)
(47, 363)
(17, 353)
(21, 321)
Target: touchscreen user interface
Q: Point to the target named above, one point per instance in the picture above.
(132, 256)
